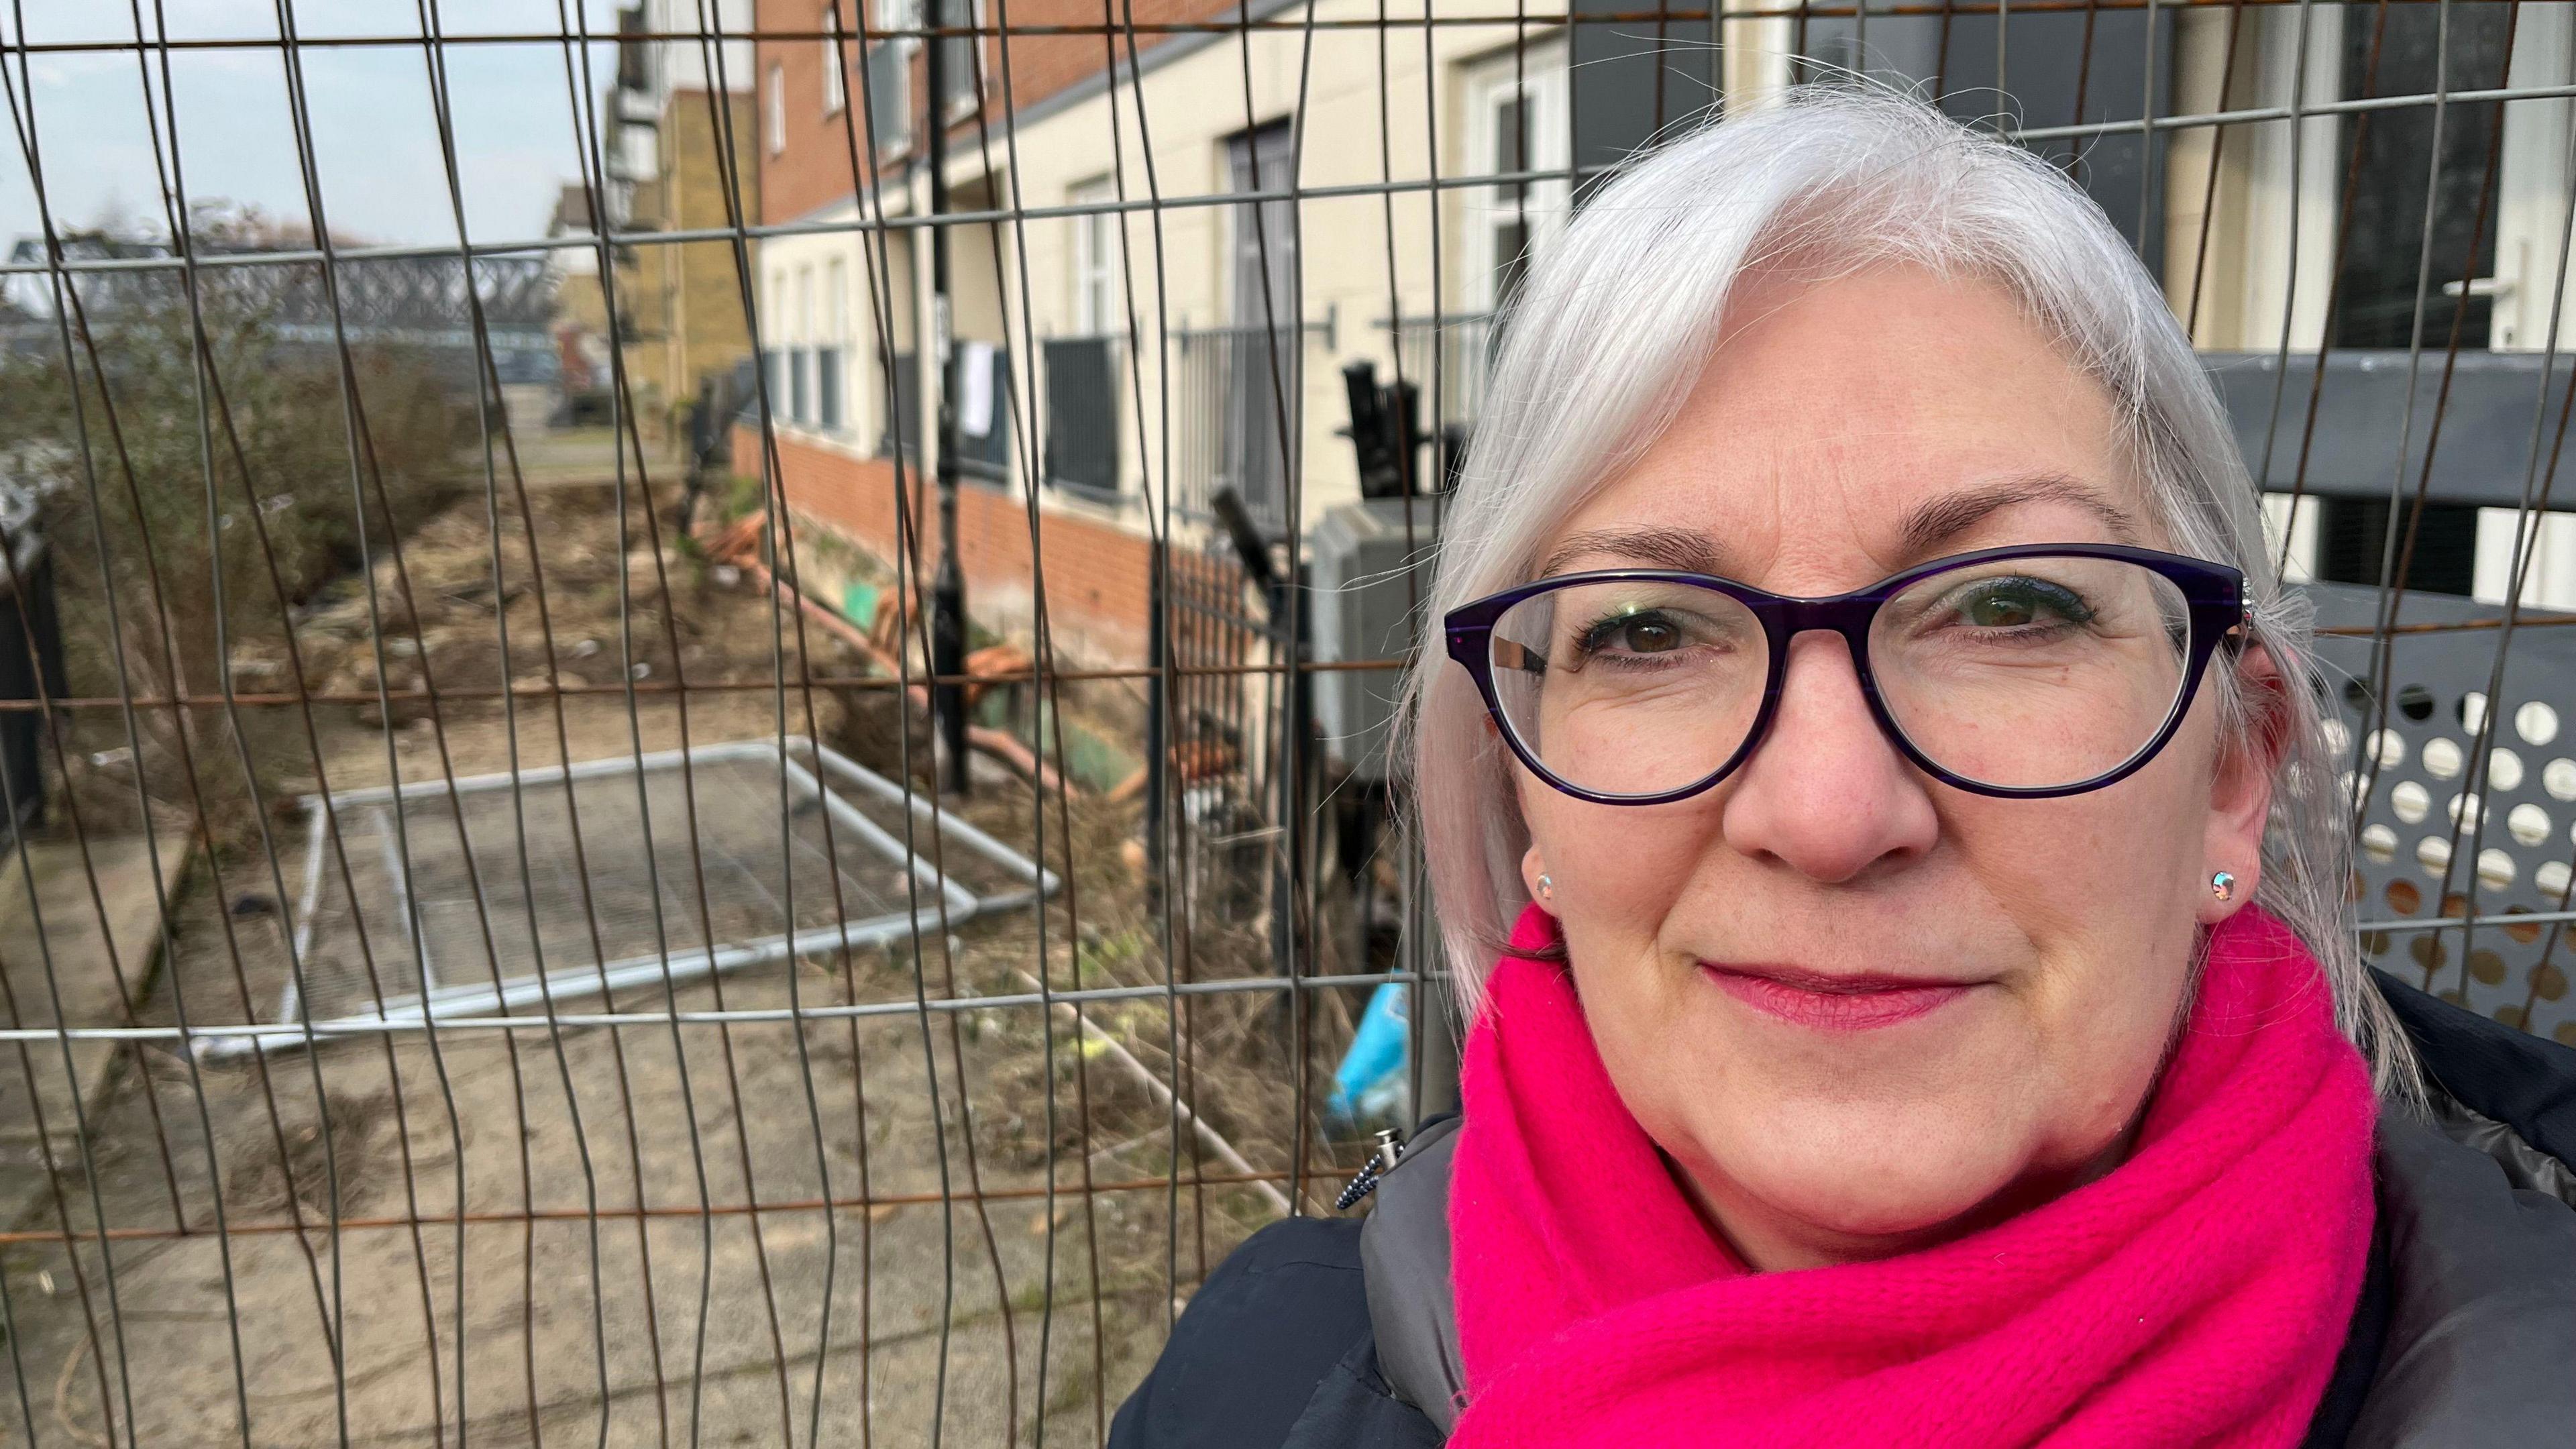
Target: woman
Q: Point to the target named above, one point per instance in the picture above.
(1875, 791)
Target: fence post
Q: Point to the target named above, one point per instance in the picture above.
(31, 667)
(1158, 746)
(948, 587)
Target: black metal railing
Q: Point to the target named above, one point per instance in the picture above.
(1449, 362)
(1236, 405)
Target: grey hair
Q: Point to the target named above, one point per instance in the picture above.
(1609, 333)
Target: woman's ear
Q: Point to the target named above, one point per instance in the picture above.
(2240, 788)
(1534, 870)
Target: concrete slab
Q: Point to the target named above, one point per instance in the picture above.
(80, 935)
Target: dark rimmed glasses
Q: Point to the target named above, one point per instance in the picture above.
(2031, 671)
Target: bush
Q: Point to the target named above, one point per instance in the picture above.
(140, 456)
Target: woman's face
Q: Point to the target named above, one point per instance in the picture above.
(1843, 431)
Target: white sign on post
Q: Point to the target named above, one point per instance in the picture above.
(975, 389)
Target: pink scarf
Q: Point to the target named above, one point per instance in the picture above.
(2195, 1295)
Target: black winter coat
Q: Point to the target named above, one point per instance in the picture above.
(2465, 1333)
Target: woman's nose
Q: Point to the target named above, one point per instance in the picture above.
(1826, 792)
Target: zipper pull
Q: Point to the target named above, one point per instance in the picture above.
(1390, 1151)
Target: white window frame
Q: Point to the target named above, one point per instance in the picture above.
(969, 103)
(1538, 77)
(2531, 226)
(777, 108)
(2530, 223)
(900, 15)
(1097, 240)
(836, 84)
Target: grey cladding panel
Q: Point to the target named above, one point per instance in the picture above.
(2483, 452)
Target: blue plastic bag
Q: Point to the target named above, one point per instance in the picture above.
(1372, 1084)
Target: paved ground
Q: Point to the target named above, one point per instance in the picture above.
(579, 456)
(231, 1319)
(79, 932)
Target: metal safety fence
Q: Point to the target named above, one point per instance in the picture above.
(695, 691)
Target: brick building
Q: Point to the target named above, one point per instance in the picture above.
(678, 121)
(1120, 360)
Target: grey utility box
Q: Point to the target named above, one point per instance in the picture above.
(1371, 582)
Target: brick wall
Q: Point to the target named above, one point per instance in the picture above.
(813, 170)
(1098, 576)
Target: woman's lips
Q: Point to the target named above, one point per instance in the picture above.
(1833, 1003)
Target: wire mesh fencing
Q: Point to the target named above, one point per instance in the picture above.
(694, 695)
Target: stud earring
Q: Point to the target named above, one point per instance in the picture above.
(1546, 889)
(2223, 886)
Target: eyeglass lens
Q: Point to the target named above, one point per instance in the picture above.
(2031, 672)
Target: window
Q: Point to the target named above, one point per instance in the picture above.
(1081, 443)
(776, 362)
(1263, 351)
(1516, 124)
(801, 386)
(2411, 175)
(777, 108)
(829, 344)
(890, 77)
(836, 86)
(963, 55)
(827, 389)
(1096, 238)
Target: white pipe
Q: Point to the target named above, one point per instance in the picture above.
(1216, 1143)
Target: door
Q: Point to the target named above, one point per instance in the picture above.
(1260, 351)
(2420, 200)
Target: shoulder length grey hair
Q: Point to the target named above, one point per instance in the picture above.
(1610, 331)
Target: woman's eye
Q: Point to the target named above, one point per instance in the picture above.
(1633, 634)
(2021, 603)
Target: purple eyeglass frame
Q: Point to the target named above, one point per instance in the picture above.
(2214, 595)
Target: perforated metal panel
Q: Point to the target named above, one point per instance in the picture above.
(2471, 813)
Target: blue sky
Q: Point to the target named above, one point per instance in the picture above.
(376, 141)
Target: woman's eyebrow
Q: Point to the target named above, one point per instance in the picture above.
(1682, 549)
(1934, 522)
